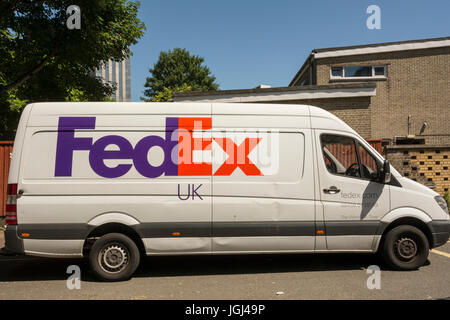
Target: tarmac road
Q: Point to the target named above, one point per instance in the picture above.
(326, 276)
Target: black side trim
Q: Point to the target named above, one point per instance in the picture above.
(440, 231)
(382, 227)
(70, 231)
(265, 228)
(165, 229)
(439, 226)
(56, 231)
(358, 228)
(440, 239)
(12, 242)
(226, 229)
(256, 228)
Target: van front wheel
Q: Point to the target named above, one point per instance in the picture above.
(405, 248)
(114, 257)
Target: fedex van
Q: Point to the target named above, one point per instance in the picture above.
(115, 181)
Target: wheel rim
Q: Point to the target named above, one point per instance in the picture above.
(113, 258)
(406, 248)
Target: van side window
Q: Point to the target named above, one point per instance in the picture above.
(369, 164)
(342, 155)
(339, 153)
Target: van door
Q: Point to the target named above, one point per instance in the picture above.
(353, 200)
(263, 184)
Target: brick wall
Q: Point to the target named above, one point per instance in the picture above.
(417, 84)
(353, 111)
(427, 165)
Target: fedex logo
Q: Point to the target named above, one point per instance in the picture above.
(187, 147)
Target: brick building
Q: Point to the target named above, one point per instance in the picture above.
(395, 91)
(377, 89)
(412, 81)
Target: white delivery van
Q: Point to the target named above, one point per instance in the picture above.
(114, 181)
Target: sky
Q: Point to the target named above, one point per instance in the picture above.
(247, 43)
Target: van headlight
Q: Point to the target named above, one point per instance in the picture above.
(442, 203)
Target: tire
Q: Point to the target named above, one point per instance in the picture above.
(405, 248)
(114, 257)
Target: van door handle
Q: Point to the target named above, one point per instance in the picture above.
(332, 190)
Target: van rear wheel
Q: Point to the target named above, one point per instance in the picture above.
(114, 257)
(405, 248)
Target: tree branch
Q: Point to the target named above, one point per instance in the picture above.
(10, 7)
(21, 80)
(16, 4)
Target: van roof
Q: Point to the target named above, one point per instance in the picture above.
(52, 108)
(187, 108)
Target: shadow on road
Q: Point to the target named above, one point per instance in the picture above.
(240, 264)
(42, 269)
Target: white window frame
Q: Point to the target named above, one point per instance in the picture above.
(336, 77)
(343, 77)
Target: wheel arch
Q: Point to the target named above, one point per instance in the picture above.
(113, 227)
(405, 216)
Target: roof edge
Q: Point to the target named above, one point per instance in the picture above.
(380, 44)
(275, 89)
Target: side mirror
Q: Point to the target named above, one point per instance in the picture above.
(374, 176)
(385, 174)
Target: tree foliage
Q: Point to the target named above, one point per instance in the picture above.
(177, 70)
(42, 60)
(167, 93)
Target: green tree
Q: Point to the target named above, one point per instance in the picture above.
(167, 93)
(177, 70)
(42, 60)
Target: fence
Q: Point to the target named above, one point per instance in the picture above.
(345, 152)
(376, 144)
(5, 151)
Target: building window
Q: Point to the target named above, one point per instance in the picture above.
(350, 72)
(337, 72)
(357, 72)
(379, 71)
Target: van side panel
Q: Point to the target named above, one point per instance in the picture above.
(272, 211)
(56, 207)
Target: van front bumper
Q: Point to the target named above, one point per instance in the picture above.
(440, 231)
(12, 241)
